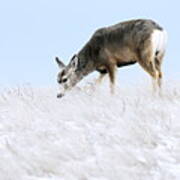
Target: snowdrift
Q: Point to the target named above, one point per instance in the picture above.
(89, 134)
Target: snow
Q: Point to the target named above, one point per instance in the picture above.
(89, 134)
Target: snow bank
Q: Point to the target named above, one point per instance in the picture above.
(89, 134)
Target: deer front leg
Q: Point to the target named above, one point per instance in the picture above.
(103, 71)
(100, 79)
(111, 71)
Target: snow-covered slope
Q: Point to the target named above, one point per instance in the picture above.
(89, 134)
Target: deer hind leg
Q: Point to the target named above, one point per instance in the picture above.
(158, 63)
(148, 64)
(158, 44)
(158, 68)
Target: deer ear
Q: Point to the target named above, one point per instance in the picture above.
(74, 61)
(60, 63)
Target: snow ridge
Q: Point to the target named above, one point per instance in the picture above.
(90, 135)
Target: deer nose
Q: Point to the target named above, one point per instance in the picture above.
(62, 81)
(59, 81)
(60, 95)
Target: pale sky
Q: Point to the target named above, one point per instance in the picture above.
(33, 32)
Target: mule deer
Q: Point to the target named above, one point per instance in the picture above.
(126, 43)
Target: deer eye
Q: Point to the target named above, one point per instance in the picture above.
(64, 80)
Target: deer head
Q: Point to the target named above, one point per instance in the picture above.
(68, 76)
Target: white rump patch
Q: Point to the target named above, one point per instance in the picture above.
(159, 41)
